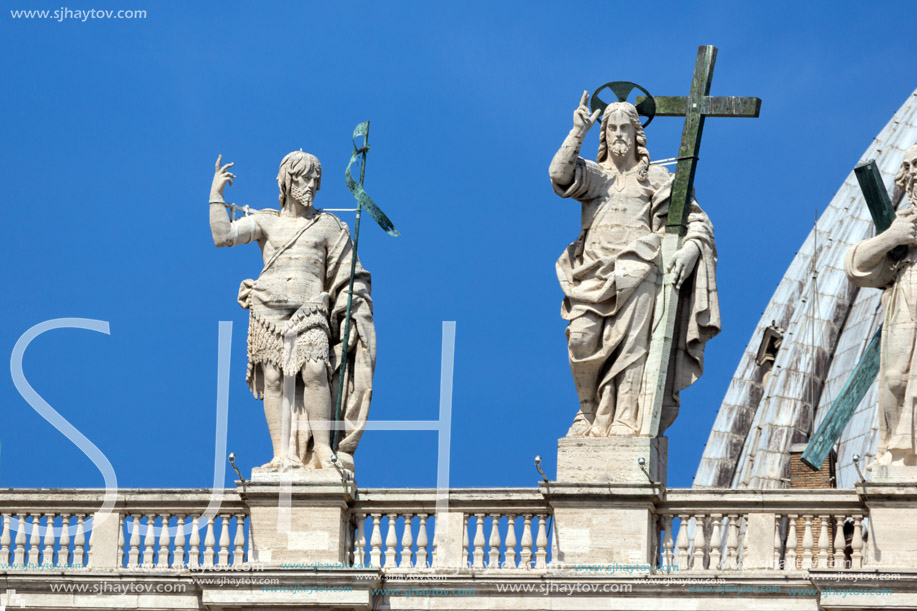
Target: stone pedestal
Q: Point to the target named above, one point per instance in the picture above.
(892, 530)
(612, 460)
(603, 502)
(602, 523)
(299, 517)
(894, 474)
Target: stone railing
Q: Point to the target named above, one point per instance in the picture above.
(781, 530)
(481, 529)
(146, 529)
(696, 531)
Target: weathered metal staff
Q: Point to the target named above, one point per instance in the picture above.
(363, 201)
(829, 431)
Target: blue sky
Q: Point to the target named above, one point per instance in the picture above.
(110, 129)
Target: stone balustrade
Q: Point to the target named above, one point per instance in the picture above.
(506, 529)
(146, 529)
(780, 530)
(697, 531)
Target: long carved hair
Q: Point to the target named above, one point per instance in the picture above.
(904, 178)
(643, 154)
(296, 164)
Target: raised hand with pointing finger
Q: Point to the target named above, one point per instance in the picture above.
(583, 118)
(562, 165)
(221, 176)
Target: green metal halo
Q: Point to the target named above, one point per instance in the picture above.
(622, 89)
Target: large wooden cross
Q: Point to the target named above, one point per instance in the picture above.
(829, 431)
(698, 105)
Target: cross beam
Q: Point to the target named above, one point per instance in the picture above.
(698, 105)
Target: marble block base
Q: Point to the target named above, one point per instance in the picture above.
(273, 476)
(597, 460)
(895, 474)
(299, 517)
(892, 524)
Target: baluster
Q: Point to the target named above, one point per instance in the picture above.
(478, 541)
(92, 537)
(5, 541)
(668, 543)
(162, 556)
(716, 541)
(541, 544)
(47, 553)
(407, 543)
(194, 554)
(375, 553)
(682, 543)
(744, 549)
(209, 543)
(823, 542)
(493, 558)
(526, 555)
(149, 542)
(63, 554)
(732, 543)
(856, 558)
(434, 559)
(34, 541)
(223, 558)
(121, 551)
(778, 544)
(792, 541)
(422, 541)
(839, 558)
(465, 551)
(807, 543)
(696, 559)
(238, 544)
(359, 550)
(19, 554)
(178, 556)
(391, 543)
(509, 557)
(657, 560)
(79, 541)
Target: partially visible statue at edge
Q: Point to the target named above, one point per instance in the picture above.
(611, 275)
(296, 317)
(867, 265)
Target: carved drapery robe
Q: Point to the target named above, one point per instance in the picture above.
(611, 280)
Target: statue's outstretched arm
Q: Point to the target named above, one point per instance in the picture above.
(224, 231)
(564, 163)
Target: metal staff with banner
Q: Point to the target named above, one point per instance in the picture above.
(363, 202)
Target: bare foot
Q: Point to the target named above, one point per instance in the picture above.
(345, 461)
(274, 465)
(580, 426)
(621, 430)
(323, 456)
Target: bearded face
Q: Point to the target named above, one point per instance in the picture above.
(620, 135)
(907, 177)
(304, 187)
